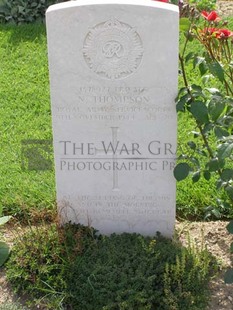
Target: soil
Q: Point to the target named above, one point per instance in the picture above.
(212, 235)
(225, 8)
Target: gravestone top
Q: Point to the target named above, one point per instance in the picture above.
(145, 3)
(113, 79)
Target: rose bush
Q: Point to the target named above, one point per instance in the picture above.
(211, 108)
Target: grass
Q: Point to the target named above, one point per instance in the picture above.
(25, 115)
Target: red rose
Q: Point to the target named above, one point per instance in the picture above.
(163, 0)
(211, 17)
(223, 33)
(218, 33)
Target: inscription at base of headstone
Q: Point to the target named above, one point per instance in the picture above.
(113, 79)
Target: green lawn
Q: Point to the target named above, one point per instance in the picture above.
(25, 115)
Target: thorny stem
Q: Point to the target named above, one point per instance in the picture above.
(228, 88)
(192, 98)
(229, 51)
(184, 74)
(231, 74)
(204, 138)
(184, 49)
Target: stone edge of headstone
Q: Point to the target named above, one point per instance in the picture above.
(148, 3)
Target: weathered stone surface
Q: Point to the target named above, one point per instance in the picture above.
(113, 74)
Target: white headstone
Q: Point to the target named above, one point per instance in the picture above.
(113, 75)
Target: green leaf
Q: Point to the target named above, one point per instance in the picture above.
(227, 174)
(206, 78)
(226, 205)
(231, 247)
(197, 88)
(188, 57)
(4, 219)
(210, 211)
(229, 190)
(182, 90)
(228, 277)
(229, 138)
(4, 10)
(189, 36)
(4, 252)
(219, 184)
(216, 213)
(1, 209)
(199, 111)
(225, 150)
(195, 161)
(196, 176)
(213, 90)
(213, 164)
(184, 24)
(220, 132)
(201, 152)
(198, 60)
(207, 175)
(230, 227)
(21, 9)
(215, 109)
(207, 128)
(203, 68)
(217, 70)
(228, 120)
(181, 102)
(181, 171)
(180, 106)
(192, 145)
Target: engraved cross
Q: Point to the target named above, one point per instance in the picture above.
(115, 185)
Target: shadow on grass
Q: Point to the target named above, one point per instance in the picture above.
(17, 34)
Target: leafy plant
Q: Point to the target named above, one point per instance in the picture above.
(4, 248)
(40, 258)
(72, 267)
(211, 108)
(24, 11)
(201, 5)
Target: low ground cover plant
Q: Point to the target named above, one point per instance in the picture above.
(4, 248)
(72, 267)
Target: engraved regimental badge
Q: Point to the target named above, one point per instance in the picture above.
(113, 49)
